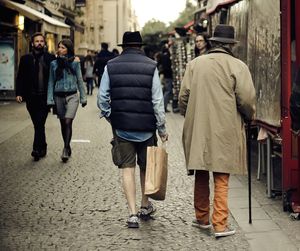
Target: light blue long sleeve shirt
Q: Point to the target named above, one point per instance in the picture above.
(103, 102)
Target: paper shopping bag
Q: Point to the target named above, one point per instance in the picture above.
(156, 172)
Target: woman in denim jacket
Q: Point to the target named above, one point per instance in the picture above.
(65, 80)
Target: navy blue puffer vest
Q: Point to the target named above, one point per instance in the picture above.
(131, 77)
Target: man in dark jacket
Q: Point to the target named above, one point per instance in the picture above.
(166, 70)
(31, 87)
(130, 97)
(102, 58)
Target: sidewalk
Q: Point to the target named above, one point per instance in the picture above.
(13, 119)
(69, 199)
(271, 228)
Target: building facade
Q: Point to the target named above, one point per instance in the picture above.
(91, 17)
(123, 20)
(87, 23)
(104, 21)
(18, 21)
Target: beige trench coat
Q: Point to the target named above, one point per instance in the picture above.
(216, 94)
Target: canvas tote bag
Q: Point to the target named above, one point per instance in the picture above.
(156, 172)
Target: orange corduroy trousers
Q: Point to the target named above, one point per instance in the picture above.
(201, 199)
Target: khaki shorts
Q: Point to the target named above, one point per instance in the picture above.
(130, 150)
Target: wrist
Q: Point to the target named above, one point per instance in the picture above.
(161, 130)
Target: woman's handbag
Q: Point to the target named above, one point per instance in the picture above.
(156, 172)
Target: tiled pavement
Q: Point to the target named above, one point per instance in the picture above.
(48, 205)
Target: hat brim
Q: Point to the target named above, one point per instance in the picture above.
(223, 40)
(131, 44)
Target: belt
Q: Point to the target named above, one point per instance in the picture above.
(64, 94)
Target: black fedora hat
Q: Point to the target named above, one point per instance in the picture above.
(224, 33)
(132, 38)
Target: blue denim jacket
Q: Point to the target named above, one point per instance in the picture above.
(68, 83)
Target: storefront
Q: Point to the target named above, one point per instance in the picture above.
(48, 25)
(182, 49)
(18, 23)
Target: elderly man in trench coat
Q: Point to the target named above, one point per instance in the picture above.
(217, 96)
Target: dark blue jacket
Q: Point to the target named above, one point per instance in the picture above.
(131, 76)
(101, 61)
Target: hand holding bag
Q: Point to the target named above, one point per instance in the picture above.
(156, 172)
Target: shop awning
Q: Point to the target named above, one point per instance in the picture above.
(54, 12)
(213, 4)
(50, 24)
(72, 22)
(189, 24)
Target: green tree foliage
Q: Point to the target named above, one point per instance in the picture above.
(186, 15)
(155, 31)
(153, 26)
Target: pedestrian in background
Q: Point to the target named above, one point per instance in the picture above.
(216, 97)
(102, 58)
(130, 98)
(116, 52)
(64, 82)
(202, 44)
(31, 87)
(166, 71)
(88, 75)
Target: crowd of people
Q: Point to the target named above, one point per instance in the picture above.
(217, 98)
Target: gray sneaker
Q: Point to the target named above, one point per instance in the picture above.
(133, 221)
(197, 223)
(226, 232)
(145, 212)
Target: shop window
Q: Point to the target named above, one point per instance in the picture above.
(50, 41)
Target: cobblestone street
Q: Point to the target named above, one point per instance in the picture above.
(79, 205)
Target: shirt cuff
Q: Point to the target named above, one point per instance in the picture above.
(162, 130)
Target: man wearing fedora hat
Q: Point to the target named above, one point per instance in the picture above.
(217, 96)
(130, 98)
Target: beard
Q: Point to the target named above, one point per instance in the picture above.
(38, 48)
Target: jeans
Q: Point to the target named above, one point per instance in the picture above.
(168, 87)
(89, 85)
(38, 110)
(220, 205)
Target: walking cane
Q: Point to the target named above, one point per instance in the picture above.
(249, 168)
